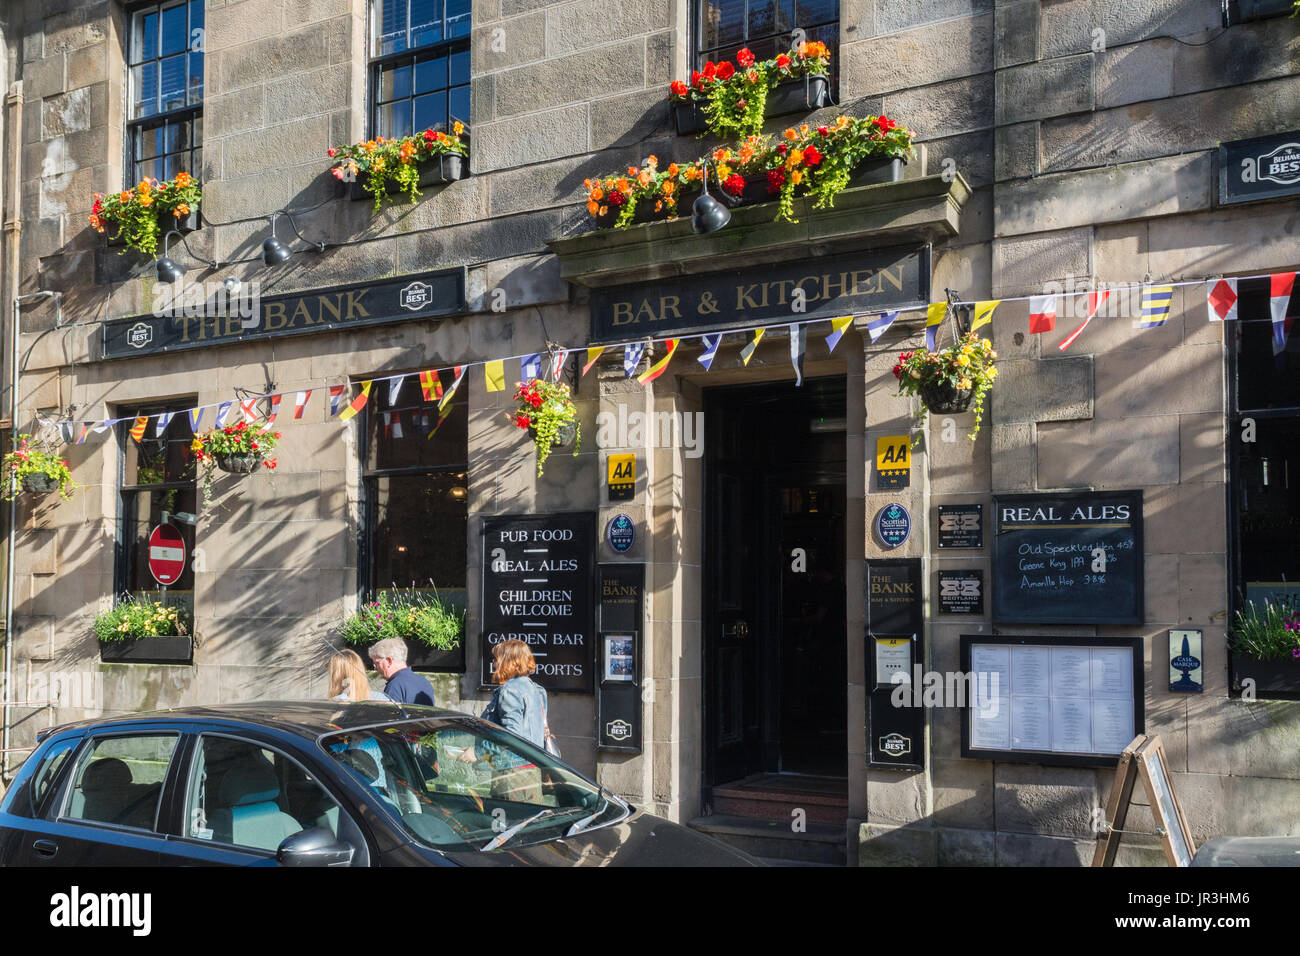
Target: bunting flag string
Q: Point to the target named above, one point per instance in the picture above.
(837, 331)
(196, 418)
(798, 345)
(164, 419)
(300, 404)
(275, 409)
(530, 367)
(654, 371)
(632, 353)
(357, 403)
(880, 324)
(934, 314)
(336, 395)
(1221, 300)
(81, 435)
(983, 313)
(495, 375)
(748, 351)
(394, 386)
(249, 408)
(1042, 314)
(558, 358)
(1095, 299)
(431, 385)
(446, 399)
(223, 410)
(711, 343)
(137, 430)
(593, 354)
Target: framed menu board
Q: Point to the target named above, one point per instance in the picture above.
(1074, 701)
(538, 585)
(1068, 558)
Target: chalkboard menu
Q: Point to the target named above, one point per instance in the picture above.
(538, 573)
(1068, 558)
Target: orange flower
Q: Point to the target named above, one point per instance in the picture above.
(146, 200)
(796, 176)
(181, 210)
(794, 159)
(652, 160)
(632, 170)
(143, 188)
(721, 155)
(692, 173)
(603, 210)
(458, 126)
(623, 185)
(182, 178)
(598, 194)
(673, 169)
(124, 196)
(803, 130)
(668, 187)
(791, 135)
(645, 177)
(658, 205)
(593, 207)
(842, 122)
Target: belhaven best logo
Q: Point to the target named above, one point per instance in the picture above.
(896, 745)
(76, 909)
(139, 335)
(618, 729)
(416, 296)
(1282, 165)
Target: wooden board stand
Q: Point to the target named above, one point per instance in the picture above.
(1145, 757)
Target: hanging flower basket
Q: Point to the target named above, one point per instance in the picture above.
(38, 469)
(381, 167)
(944, 398)
(547, 411)
(949, 381)
(239, 464)
(563, 438)
(39, 484)
(238, 449)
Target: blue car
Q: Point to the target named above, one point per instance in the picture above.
(321, 783)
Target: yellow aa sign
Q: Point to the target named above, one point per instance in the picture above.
(893, 455)
(621, 478)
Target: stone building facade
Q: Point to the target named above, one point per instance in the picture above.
(1063, 141)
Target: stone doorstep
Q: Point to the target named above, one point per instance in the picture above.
(781, 811)
(773, 841)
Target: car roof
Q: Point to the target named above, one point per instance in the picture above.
(305, 718)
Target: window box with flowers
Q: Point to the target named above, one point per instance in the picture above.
(733, 99)
(139, 631)
(238, 449)
(34, 468)
(1264, 641)
(432, 626)
(139, 218)
(647, 194)
(548, 412)
(381, 168)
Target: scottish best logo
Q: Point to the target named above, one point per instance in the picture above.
(618, 730)
(1282, 165)
(416, 296)
(139, 335)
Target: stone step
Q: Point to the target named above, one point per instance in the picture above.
(772, 804)
(773, 841)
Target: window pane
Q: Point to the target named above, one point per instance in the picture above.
(172, 82)
(395, 82)
(431, 74)
(196, 79)
(426, 22)
(458, 107)
(242, 794)
(144, 36)
(762, 17)
(196, 128)
(459, 69)
(402, 440)
(809, 12)
(196, 19)
(175, 30)
(390, 26)
(150, 168)
(144, 86)
(45, 774)
(395, 119)
(722, 22)
(149, 143)
(120, 781)
(419, 532)
(430, 111)
(458, 19)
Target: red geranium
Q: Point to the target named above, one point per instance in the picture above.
(811, 157)
(782, 61)
(745, 57)
(823, 130)
(678, 88)
(522, 421)
(710, 70)
(725, 70)
(696, 76)
(734, 184)
(885, 123)
(535, 400)
(775, 180)
(616, 198)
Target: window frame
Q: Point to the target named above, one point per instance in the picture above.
(376, 62)
(698, 51)
(191, 114)
(62, 804)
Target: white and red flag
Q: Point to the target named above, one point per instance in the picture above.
(1221, 300)
(275, 409)
(1095, 299)
(1279, 294)
(1042, 313)
(300, 404)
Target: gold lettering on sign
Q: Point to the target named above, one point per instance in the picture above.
(203, 327)
(273, 314)
(232, 325)
(623, 313)
(862, 282)
(834, 286)
(185, 327)
(745, 296)
(304, 312)
(355, 308)
(334, 305)
(667, 304)
(811, 290)
(894, 278)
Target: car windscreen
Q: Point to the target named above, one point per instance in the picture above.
(461, 784)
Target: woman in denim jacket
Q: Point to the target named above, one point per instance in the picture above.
(518, 705)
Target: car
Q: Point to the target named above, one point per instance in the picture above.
(322, 783)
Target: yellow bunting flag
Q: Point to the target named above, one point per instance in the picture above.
(983, 314)
(495, 372)
(748, 351)
(837, 331)
(933, 319)
(431, 385)
(137, 430)
(654, 371)
(592, 355)
(358, 403)
(459, 373)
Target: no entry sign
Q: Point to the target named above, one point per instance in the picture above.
(166, 554)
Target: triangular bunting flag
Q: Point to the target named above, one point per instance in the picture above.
(934, 314)
(300, 404)
(65, 432)
(357, 403)
(1153, 310)
(711, 343)
(336, 395)
(1042, 314)
(983, 313)
(196, 418)
(83, 432)
(557, 363)
(394, 386)
(1279, 294)
(530, 367)
(592, 354)
(431, 385)
(880, 324)
(275, 409)
(455, 384)
(137, 430)
(164, 419)
(223, 411)
(632, 353)
(798, 345)
(105, 426)
(1095, 299)
(748, 351)
(495, 373)
(1221, 300)
(837, 331)
(654, 371)
(249, 408)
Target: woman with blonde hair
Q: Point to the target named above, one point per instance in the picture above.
(348, 680)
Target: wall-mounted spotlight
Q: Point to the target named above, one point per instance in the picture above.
(708, 215)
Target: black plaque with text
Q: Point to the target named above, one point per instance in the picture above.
(895, 648)
(961, 526)
(961, 592)
(622, 630)
(538, 579)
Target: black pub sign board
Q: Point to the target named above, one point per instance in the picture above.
(622, 633)
(538, 587)
(1259, 168)
(895, 644)
(188, 320)
(826, 287)
(1068, 558)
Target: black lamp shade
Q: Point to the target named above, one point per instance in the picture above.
(274, 252)
(169, 271)
(709, 215)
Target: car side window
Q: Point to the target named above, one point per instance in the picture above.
(247, 795)
(48, 771)
(119, 780)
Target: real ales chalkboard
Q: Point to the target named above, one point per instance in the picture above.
(1068, 558)
(538, 573)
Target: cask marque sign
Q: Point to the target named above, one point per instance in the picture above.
(203, 314)
(826, 287)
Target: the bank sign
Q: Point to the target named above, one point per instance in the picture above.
(193, 321)
(1259, 168)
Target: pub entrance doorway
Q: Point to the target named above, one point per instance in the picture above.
(775, 665)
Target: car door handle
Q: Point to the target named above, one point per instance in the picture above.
(45, 848)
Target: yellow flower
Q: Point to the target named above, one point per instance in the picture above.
(458, 127)
(964, 383)
(796, 176)
(963, 360)
(724, 171)
(986, 344)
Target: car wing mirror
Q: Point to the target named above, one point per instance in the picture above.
(314, 847)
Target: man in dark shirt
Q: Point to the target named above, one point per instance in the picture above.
(404, 685)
